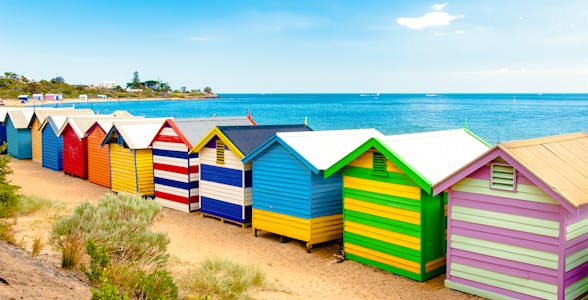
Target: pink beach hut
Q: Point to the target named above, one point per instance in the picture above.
(518, 220)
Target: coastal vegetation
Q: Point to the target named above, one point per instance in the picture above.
(12, 85)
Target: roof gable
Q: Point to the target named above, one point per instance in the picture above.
(244, 139)
(318, 150)
(136, 134)
(20, 118)
(546, 169)
(425, 157)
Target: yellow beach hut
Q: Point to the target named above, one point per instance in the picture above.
(130, 156)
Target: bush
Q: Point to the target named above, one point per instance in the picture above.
(8, 192)
(222, 279)
(120, 223)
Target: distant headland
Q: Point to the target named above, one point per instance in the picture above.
(17, 89)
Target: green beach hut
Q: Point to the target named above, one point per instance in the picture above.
(391, 217)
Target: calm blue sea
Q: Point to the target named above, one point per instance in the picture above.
(494, 117)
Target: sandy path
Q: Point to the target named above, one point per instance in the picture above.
(290, 270)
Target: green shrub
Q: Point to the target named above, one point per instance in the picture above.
(222, 279)
(108, 291)
(157, 285)
(8, 192)
(99, 262)
(31, 204)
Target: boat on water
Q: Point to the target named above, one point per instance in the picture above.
(431, 95)
(369, 94)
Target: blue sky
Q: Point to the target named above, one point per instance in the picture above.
(304, 46)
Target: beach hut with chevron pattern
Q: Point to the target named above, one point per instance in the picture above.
(176, 173)
(130, 156)
(291, 196)
(518, 221)
(18, 133)
(225, 181)
(392, 219)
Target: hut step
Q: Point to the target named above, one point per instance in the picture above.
(223, 220)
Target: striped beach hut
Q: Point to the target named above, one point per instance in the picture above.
(18, 133)
(39, 117)
(98, 156)
(175, 171)
(392, 218)
(52, 143)
(225, 181)
(518, 221)
(75, 142)
(291, 196)
(130, 156)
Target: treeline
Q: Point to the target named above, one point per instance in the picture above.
(12, 85)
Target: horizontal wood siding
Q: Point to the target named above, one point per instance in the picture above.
(122, 168)
(11, 139)
(18, 140)
(36, 140)
(75, 160)
(312, 231)
(52, 150)
(501, 242)
(98, 158)
(144, 167)
(220, 187)
(281, 184)
(576, 267)
(382, 220)
(327, 196)
(175, 172)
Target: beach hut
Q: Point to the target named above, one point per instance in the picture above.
(518, 220)
(23, 98)
(39, 117)
(75, 142)
(175, 171)
(18, 133)
(38, 97)
(3, 113)
(130, 156)
(54, 97)
(83, 97)
(225, 181)
(52, 143)
(291, 196)
(391, 216)
(98, 156)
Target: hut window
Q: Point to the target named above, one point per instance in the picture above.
(220, 152)
(503, 177)
(120, 141)
(379, 164)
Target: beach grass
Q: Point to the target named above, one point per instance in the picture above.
(221, 279)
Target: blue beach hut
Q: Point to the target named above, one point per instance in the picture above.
(18, 133)
(225, 181)
(3, 113)
(52, 143)
(291, 196)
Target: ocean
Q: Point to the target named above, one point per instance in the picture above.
(494, 117)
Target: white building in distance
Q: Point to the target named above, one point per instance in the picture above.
(107, 85)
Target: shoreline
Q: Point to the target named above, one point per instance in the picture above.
(31, 103)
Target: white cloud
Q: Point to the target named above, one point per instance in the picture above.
(459, 31)
(436, 18)
(439, 7)
(197, 39)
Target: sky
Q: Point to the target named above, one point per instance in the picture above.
(303, 46)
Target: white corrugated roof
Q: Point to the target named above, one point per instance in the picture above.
(437, 154)
(81, 124)
(20, 118)
(324, 148)
(139, 134)
(56, 122)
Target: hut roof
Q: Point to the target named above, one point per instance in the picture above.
(244, 139)
(20, 118)
(556, 164)
(192, 130)
(560, 161)
(318, 150)
(137, 134)
(56, 122)
(425, 157)
(4, 111)
(41, 113)
(81, 124)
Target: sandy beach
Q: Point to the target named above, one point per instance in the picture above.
(17, 103)
(290, 271)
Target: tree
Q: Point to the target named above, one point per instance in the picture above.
(136, 81)
(208, 90)
(58, 79)
(33, 88)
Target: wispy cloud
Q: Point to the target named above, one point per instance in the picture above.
(197, 39)
(434, 18)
